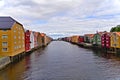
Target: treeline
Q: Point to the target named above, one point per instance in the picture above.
(115, 29)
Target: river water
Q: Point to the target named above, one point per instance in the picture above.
(64, 61)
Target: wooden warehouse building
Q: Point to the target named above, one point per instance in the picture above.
(12, 37)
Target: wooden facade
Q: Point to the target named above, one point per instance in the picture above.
(12, 37)
(74, 39)
(39, 39)
(88, 38)
(105, 40)
(81, 39)
(115, 40)
(97, 39)
(27, 41)
(31, 39)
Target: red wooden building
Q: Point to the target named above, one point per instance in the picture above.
(81, 39)
(105, 40)
(27, 40)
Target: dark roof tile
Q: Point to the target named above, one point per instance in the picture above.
(6, 25)
(7, 22)
(7, 19)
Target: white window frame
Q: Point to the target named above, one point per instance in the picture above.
(4, 43)
(4, 36)
(4, 50)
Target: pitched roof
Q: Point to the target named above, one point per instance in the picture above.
(75, 36)
(100, 33)
(118, 33)
(42, 34)
(108, 33)
(90, 35)
(37, 33)
(7, 22)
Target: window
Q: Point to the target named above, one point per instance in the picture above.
(23, 45)
(19, 37)
(4, 43)
(114, 45)
(4, 49)
(98, 39)
(117, 38)
(15, 47)
(14, 37)
(4, 36)
(20, 46)
(114, 39)
(14, 42)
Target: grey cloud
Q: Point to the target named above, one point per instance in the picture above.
(66, 17)
(15, 3)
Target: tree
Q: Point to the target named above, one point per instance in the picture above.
(118, 28)
(115, 29)
(112, 29)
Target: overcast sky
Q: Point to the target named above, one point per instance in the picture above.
(59, 18)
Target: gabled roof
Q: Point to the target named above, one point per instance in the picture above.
(31, 31)
(90, 35)
(7, 22)
(42, 34)
(118, 33)
(100, 33)
(75, 36)
(26, 30)
(108, 33)
(37, 33)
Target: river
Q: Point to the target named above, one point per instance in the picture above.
(64, 61)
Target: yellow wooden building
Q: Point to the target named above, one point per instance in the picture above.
(44, 39)
(39, 39)
(12, 41)
(74, 39)
(115, 40)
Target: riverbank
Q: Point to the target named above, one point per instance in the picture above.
(64, 61)
(4, 61)
(90, 46)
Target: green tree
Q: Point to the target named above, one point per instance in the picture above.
(112, 29)
(118, 28)
(115, 29)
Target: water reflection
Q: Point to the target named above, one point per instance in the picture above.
(13, 71)
(109, 63)
(64, 61)
(106, 55)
